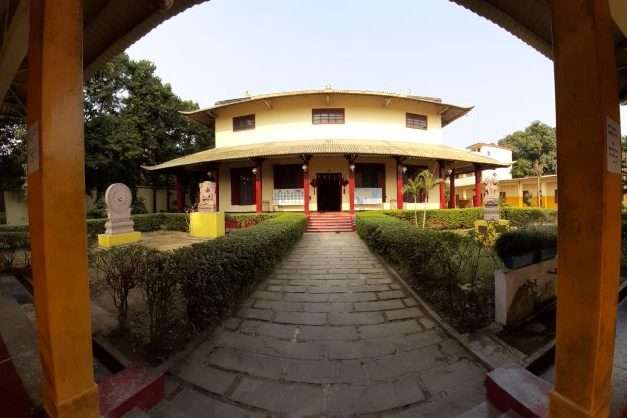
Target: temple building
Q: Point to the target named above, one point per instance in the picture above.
(327, 151)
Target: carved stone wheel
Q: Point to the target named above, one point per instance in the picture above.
(118, 197)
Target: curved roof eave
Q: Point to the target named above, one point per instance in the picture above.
(328, 147)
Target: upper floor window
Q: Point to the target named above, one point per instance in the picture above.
(327, 116)
(415, 121)
(241, 123)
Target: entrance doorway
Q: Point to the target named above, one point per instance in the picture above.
(329, 193)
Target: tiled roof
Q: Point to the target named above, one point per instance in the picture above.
(317, 147)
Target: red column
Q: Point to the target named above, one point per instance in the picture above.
(180, 193)
(442, 173)
(306, 187)
(351, 188)
(451, 200)
(258, 188)
(400, 196)
(477, 198)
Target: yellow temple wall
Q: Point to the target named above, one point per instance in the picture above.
(290, 119)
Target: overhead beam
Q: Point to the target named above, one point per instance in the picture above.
(14, 47)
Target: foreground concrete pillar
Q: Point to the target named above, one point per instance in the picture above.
(476, 201)
(442, 185)
(588, 154)
(56, 208)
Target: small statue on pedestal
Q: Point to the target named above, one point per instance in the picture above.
(207, 197)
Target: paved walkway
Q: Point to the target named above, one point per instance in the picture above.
(330, 333)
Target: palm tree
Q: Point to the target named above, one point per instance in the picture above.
(427, 182)
(413, 187)
(538, 170)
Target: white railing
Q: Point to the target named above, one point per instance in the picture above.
(368, 196)
(284, 197)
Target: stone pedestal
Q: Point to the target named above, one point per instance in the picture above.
(112, 240)
(206, 224)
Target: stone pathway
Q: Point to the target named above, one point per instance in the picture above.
(329, 333)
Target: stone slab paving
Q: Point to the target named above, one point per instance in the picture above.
(330, 333)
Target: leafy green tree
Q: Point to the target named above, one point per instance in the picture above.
(132, 119)
(536, 143)
(413, 187)
(12, 153)
(427, 182)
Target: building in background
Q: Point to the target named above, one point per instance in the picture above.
(326, 150)
(516, 192)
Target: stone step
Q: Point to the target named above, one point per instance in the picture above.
(485, 410)
(135, 387)
(166, 409)
(515, 388)
(136, 413)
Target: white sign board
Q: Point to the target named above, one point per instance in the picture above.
(368, 196)
(614, 149)
(32, 148)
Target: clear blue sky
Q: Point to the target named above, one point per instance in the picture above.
(223, 48)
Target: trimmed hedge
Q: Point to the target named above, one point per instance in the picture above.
(14, 240)
(526, 216)
(465, 218)
(453, 271)
(211, 276)
(143, 223)
(214, 275)
(525, 241)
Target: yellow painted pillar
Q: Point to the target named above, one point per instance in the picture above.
(589, 228)
(56, 206)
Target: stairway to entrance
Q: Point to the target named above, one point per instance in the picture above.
(330, 222)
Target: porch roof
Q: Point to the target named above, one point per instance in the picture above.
(331, 146)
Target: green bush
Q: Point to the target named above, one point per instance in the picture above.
(525, 241)
(11, 243)
(444, 218)
(175, 222)
(527, 216)
(465, 218)
(122, 269)
(13, 228)
(454, 272)
(216, 273)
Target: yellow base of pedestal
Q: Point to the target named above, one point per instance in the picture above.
(113, 240)
(206, 224)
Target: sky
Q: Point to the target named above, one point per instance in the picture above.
(224, 48)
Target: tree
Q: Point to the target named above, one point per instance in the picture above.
(132, 119)
(12, 153)
(413, 187)
(534, 143)
(427, 182)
